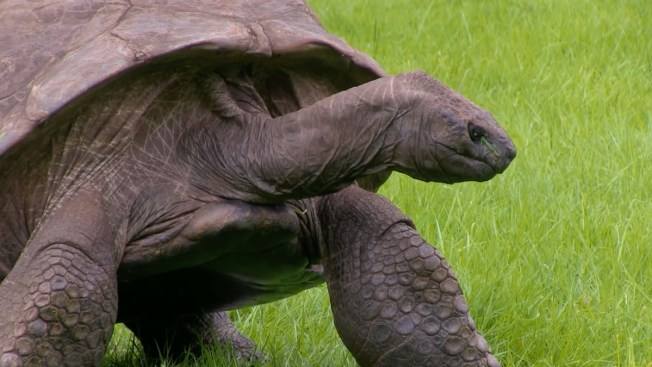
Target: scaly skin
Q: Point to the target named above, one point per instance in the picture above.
(395, 300)
(59, 303)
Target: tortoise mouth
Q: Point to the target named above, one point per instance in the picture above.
(459, 166)
(469, 170)
(481, 162)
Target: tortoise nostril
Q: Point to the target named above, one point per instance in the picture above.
(511, 153)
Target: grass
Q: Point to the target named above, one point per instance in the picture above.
(555, 255)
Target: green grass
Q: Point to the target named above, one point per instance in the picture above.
(555, 255)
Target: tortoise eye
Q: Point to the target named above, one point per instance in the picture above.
(476, 133)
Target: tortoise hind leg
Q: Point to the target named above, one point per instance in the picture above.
(174, 336)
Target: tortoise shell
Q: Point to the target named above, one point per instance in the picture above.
(56, 52)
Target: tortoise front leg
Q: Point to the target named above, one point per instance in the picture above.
(395, 300)
(59, 302)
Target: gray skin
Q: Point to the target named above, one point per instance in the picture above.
(164, 163)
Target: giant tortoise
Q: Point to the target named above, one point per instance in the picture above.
(163, 161)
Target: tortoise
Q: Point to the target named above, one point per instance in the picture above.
(166, 161)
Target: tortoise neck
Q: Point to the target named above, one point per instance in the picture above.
(316, 150)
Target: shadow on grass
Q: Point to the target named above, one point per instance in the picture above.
(126, 351)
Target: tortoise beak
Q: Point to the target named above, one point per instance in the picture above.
(501, 155)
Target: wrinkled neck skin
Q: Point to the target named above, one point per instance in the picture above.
(310, 152)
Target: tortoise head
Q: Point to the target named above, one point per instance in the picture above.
(450, 138)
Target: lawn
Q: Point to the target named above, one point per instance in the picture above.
(555, 255)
